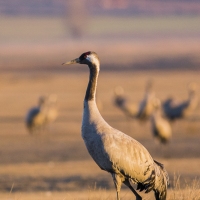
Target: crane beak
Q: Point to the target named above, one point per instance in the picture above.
(77, 60)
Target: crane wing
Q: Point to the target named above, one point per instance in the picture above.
(128, 156)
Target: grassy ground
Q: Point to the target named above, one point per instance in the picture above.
(56, 165)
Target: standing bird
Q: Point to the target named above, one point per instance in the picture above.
(113, 151)
(36, 116)
(51, 109)
(175, 110)
(45, 113)
(146, 106)
(161, 128)
(122, 102)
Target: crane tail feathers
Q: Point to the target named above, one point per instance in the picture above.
(161, 183)
(158, 182)
(148, 184)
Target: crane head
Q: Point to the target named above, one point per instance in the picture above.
(88, 57)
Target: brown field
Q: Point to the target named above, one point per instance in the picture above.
(133, 42)
(56, 165)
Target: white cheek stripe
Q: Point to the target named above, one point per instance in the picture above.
(93, 59)
(89, 58)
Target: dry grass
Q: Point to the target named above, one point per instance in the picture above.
(79, 180)
(188, 191)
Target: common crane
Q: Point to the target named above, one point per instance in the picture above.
(113, 151)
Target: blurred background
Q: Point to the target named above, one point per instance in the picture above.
(136, 41)
(146, 34)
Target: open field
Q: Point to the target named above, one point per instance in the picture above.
(56, 165)
(35, 29)
(122, 42)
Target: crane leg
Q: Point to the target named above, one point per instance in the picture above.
(127, 183)
(118, 182)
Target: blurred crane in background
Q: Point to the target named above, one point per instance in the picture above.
(175, 110)
(45, 113)
(161, 128)
(130, 109)
(121, 101)
(146, 106)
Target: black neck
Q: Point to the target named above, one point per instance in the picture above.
(92, 84)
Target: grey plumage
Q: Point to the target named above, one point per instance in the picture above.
(161, 128)
(52, 111)
(38, 117)
(142, 111)
(113, 151)
(146, 106)
(35, 118)
(130, 109)
(175, 110)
